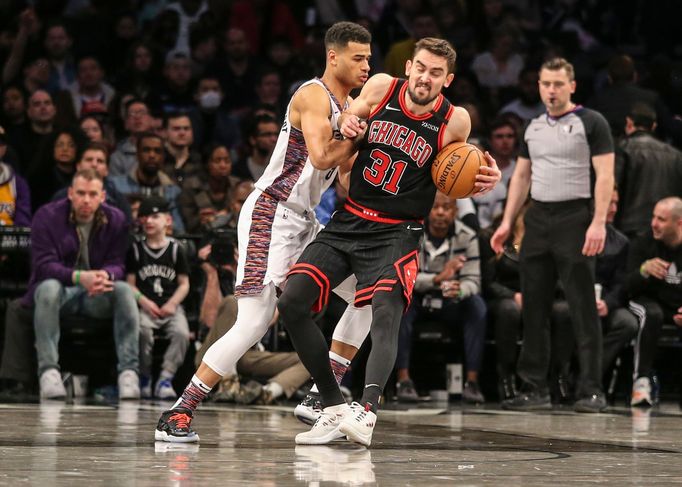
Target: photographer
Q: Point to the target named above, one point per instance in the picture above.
(447, 289)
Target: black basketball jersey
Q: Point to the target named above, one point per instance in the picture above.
(156, 270)
(392, 173)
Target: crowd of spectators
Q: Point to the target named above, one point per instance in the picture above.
(183, 101)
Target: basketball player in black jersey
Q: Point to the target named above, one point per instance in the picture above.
(377, 234)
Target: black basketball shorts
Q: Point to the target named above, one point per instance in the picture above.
(381, 255)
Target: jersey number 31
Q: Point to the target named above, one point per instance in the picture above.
(384, 172)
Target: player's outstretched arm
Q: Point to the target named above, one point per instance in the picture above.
(310, 110)
(353, 121)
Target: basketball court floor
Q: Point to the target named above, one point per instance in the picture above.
(57, 444)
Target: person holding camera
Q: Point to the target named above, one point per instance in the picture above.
(448, 289)
(158, 271)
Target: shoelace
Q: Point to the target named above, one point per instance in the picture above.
(182, 420)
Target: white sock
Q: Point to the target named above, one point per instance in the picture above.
(275, 389)
(341, 362)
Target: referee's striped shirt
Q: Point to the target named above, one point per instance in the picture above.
(561, 150)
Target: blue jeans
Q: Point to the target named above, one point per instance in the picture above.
(469, 313)
(53, 300)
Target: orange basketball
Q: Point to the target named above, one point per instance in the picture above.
(455, 168)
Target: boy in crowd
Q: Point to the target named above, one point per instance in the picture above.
(158, 272)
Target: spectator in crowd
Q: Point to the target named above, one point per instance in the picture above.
(447, 289)
(647, 170)
(41, 114)
(176, 92)
(396, 21)
(181, 161)
(501, 65)
(502, 143)
(236, 70)
(13, 110)
(29, 29)
(92, 128)
(158, 272)
(15, 196)
(619, 325)
(206, 198)
(36, 75)
(241, 192)
(269, 91)
(563, 233)
(137, 122)
(262, 19)
(211, 122)
(423, 24)
(528, 104)
(89, 94)
(95, 156)
(615, 101)
(654, 283)
(203, 46)
(55, 165)
(57, 44)
(140, 76)
(148, 179)
(263, 133)
(78, 256)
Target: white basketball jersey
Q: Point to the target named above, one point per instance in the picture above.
(290, 177)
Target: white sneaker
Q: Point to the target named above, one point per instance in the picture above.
(326, 428)
(164, 390)
(641, 393)
(51, 385)
(359, 424)
(128, 385)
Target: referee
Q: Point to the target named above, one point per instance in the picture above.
(565, 230)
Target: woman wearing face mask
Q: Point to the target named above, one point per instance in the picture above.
(212, 123)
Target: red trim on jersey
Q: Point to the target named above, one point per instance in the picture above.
(409, 114)
(373, 215)
(385, 99)
(441, 133)
(320, 279)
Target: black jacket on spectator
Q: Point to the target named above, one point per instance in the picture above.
(667, 292)
(647, 170)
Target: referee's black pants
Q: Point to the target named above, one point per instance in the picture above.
(551, 248)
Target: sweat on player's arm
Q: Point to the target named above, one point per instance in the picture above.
(310, 112)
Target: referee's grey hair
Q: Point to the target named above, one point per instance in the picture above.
(558, 63)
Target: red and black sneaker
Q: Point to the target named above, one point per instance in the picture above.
(175, 427)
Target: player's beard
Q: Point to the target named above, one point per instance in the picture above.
(420, 101)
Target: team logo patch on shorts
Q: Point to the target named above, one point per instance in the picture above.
(407, 269)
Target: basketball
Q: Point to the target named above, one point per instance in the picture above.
(455, 168)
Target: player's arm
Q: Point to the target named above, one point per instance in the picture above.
(344, 171)
(311, 104)
(353, 121)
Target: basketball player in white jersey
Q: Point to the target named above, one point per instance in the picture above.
(277, 220)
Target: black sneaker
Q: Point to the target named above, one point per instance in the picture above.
(309, 409)
(596, 403)
(506, 387)
(532, 400)
(175, 427)
(472, 393)
(406, 391)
